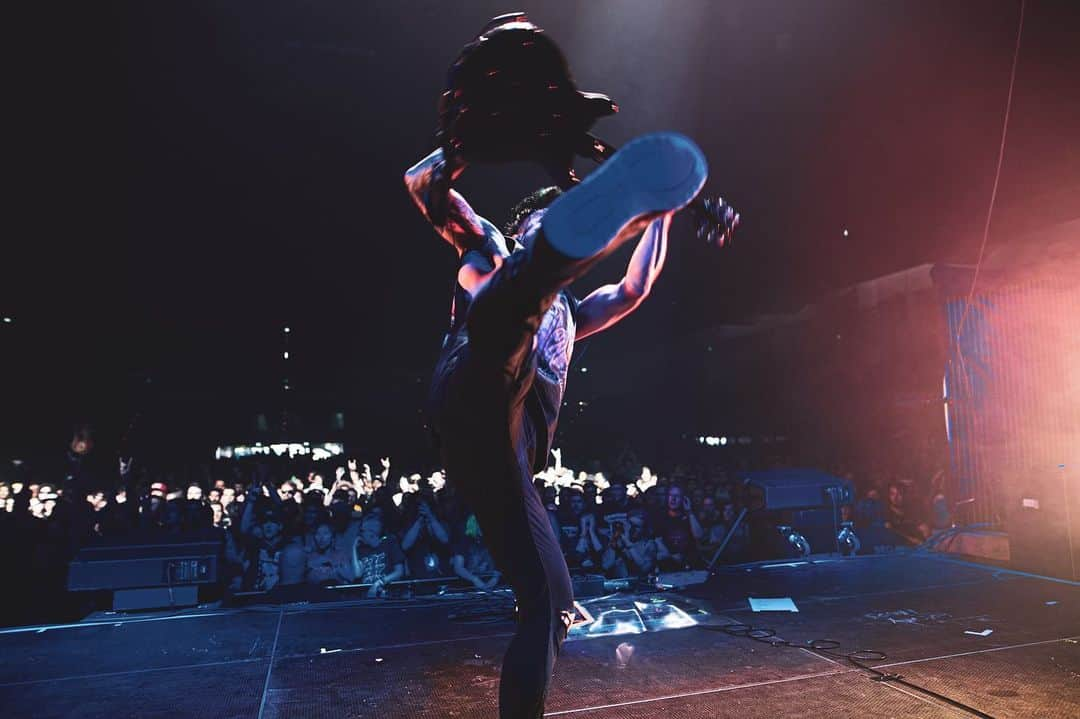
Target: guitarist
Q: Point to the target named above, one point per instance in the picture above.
(499, 382)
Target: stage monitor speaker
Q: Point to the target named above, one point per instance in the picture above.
(144, 561)
(589, 585)
(818, 526)
(780, 489)
(1044, 523)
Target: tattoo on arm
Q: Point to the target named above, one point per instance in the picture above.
(429, 184)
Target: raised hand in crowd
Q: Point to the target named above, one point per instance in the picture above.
(589, 543)
(437, 480)
(426, 522)
(695, 526)
(646, 480)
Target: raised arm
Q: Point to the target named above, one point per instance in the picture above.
(429, 182)
(413, 534)
(438, 530)
(610, 303)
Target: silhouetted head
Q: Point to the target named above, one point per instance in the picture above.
(525, 216)
(324, 536)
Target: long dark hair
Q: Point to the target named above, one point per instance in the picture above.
(537, 200)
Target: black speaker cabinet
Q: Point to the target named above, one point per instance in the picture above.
(148, 571)
(1043, 515)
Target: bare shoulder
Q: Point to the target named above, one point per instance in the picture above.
(479, 264)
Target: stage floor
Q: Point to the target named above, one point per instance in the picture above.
(439, 657)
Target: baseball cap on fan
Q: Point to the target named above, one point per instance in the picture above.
(159, 489)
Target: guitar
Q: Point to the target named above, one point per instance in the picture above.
(510, 97)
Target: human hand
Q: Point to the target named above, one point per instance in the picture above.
(548, 475)
(385, 463)
(125, 465)
(352, 465)
(557, 454)
(686, 503)
(647, 479)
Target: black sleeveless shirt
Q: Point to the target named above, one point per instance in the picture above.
(552, 350)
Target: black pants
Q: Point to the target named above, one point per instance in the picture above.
(487, 446)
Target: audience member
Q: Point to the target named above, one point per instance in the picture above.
(571, 509)
(712, 525)
(426, 541)
(589, 547)
(325, 562)
(902, 519)
(678, 532)
(613, 509)
(633, 552)
(470, 559)
(377, 558)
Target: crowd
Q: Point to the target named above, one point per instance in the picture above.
(284, 521)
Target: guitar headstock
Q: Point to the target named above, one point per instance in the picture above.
(716, 220)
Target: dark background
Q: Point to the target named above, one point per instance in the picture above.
(193, 177)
